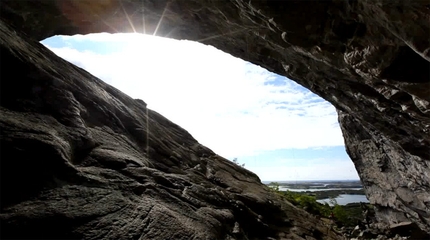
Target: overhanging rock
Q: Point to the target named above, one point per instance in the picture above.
(369, 58)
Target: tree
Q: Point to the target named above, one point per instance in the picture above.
(274, 186)
(237, 162)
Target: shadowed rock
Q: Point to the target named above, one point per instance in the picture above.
(369, 58)
(82, 160)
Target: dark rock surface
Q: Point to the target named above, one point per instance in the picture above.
(82, 160)
(369, 58)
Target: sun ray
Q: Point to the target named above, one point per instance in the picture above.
(143, 17)
(221, 35)
(107, 24)
(140, 10)
(128, 18)
(161, 19)
(170, 32)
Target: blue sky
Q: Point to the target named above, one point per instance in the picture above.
(280, 130)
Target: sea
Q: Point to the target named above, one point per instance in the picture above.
(344, 199)
(318, 185)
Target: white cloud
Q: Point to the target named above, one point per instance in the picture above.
(224, 102)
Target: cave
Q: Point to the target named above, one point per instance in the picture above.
(72, 150)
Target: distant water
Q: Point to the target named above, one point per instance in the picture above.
(281, 188)
(319, 185)
(312, 181)
(344, 199)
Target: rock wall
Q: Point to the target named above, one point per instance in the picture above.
(369, 58)
(82, 160)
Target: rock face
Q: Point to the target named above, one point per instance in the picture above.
(82, 160)
(369, 58)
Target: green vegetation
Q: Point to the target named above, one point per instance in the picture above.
(308, 203)
(348, 216)
(274, 186)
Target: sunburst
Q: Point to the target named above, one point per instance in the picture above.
(128, 17)
(161, 19)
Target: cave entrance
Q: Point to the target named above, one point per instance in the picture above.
(275, 127)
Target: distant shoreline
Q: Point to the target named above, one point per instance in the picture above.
(310, 181)
(321, 190)
(319, 195)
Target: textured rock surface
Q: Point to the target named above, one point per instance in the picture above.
(82, 160)
(369, 58)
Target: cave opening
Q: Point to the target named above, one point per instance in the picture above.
(273, 126)
(376, 123)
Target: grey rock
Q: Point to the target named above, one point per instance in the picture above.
(82, 160)
(369, 58)
(355, 232)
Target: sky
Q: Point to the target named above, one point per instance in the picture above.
(278, 129)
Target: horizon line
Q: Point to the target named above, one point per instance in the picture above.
(309, 180)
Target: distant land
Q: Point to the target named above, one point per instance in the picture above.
(343, 191)
(312, 181)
